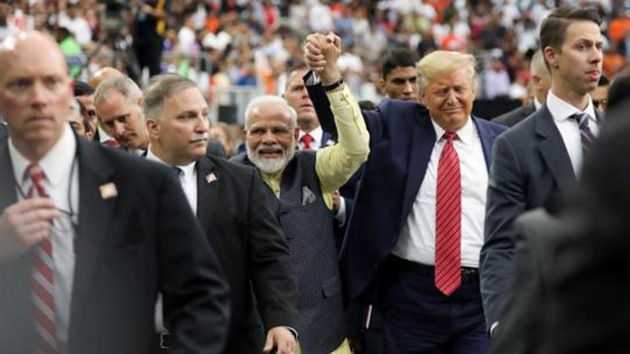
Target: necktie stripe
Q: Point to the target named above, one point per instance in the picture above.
(586, 135)
(42, 277)
(448, 220)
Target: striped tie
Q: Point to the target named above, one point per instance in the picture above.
(42, 277)
(585, 132)
(448, 214)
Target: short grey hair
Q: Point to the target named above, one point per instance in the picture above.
(160, 89)
(123, 85)
(266, 100)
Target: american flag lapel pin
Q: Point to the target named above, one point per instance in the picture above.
(211, 177)
(108, 190)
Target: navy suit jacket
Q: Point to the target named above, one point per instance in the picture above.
(128, 247)
(401, 141)
(531, 166)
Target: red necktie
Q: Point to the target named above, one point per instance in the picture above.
(306, 140)
(42, 277)
(111, 143)
(448, 217)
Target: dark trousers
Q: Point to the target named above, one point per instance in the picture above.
(418, 318)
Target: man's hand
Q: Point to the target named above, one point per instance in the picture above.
(25, 224)
(281, 339)
(321, 53)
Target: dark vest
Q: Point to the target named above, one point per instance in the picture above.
(308, 227)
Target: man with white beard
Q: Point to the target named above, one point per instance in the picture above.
(301, 184)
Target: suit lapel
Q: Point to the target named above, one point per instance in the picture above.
(95, 212)
(421, 147)
(487, 137)
(554, 152)
(207, 189)
(8, 195)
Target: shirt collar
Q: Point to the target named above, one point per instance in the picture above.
(188, 169)
(55, 164)
(562, 110)
(316, 133)
(465, 134)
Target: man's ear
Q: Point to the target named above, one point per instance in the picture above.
(152, 127)
(551, 56)
(381, 84)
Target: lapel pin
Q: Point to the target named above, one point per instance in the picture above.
(211, 177)
(108, 190)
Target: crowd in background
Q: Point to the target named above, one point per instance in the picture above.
(232, 43)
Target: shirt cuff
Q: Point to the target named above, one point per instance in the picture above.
(493, 328)
(341, 212)
(340, 98)
(293, 331)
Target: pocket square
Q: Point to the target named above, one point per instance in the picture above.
(307, 196)
(108, 190)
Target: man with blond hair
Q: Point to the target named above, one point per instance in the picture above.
(413, 247)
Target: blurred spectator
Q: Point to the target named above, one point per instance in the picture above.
(600, 95)
(496, 80)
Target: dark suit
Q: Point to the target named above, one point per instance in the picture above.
(233, 212)
(590, 311)
(400, 150)
(128, 248)
(514, 116)
(524, 316)
(531, 164)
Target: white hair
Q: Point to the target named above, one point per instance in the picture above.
(254, 105)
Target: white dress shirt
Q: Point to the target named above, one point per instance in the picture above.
(317, 135)
(187, 178)
(416, 242)
(62, 185)
(569, 128)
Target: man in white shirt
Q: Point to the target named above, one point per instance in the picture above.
(89, 235)
(536, 162)
(230, 205)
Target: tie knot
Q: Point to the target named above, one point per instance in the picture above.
(111, 143)
(306, 140)
(35, 172)
(581, 118)
(450, 136)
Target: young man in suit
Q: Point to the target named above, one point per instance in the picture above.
(539, 158)
(90, 235)
(398, 75)
(390, 247)
(300, 187)
(540, 83)
(230, 205)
